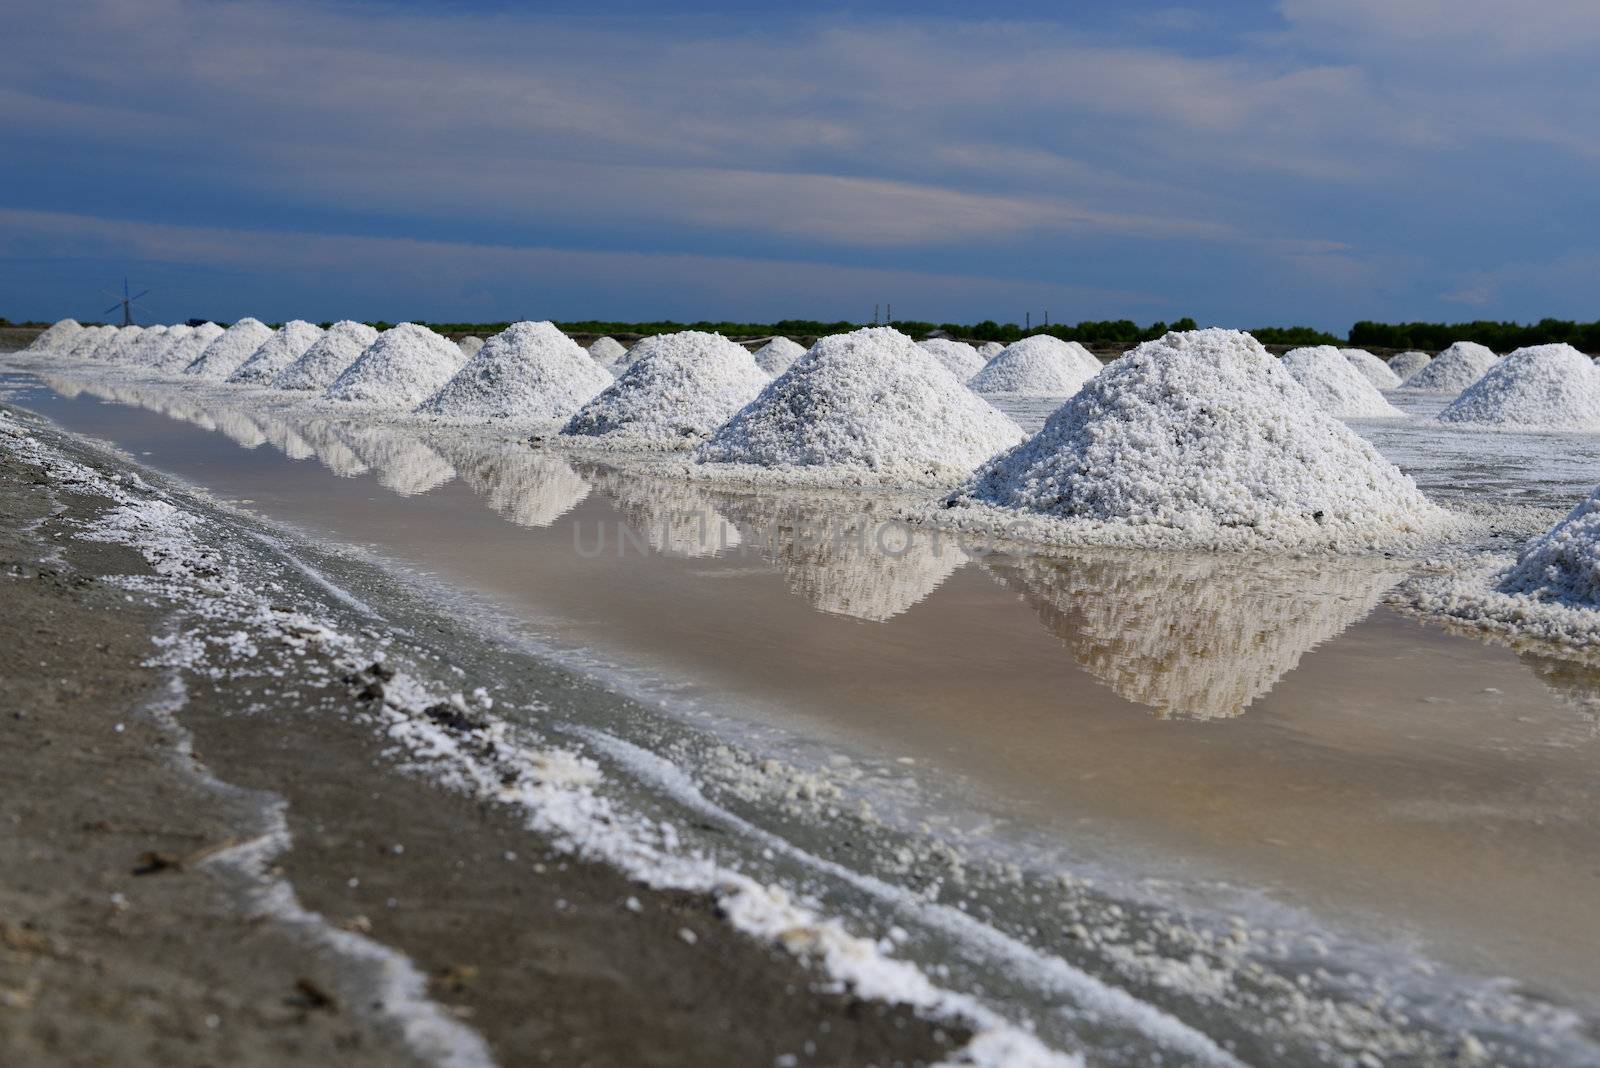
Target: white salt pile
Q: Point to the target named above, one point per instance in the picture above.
(57, 336)
(864, 406)
(990, 349)
(685, 386)
(778, 355)
(328, 357)
(1453, 370)
(1562, 566)
(1407, 364)
(1546, 387)
(283, 348)
(1373, 369)
(87, 341)
(1198, 439)
(228, 353)
(529, 373)
(405, 366)
(121, 347)
(1037, 366)
(1337, 385)
(147, 350)
(469, 345)
(959, 358)
(607, 351)
(184, 345)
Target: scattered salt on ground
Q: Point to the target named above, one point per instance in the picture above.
(607, 351)
(1453, 370)
(1407, 364)
(147, 350)
(329, 356)
(283, 348)
(1550, 387)
(867, 405)
(57, 336)
(990, 349)
(1375, 370)
(469, 345)
(959, 358)
(1337, 384)
(685, 386)
(1200, 439)
(228, 353)
(122, 347)
(778, 355)
(184, 345)
(1037, 366)
(405, 366)
(529, 373)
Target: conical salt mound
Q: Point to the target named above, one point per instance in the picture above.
(1337, 384)
(959, 358)
(990, 349)
(1548, 387)
(674, 396)
(228, 353)
(529, 373)
(1407, 364)
(778, 355)
(1199, 438)
(607, 351)
(1037, 366)
(287, 344)
(1562, 566)
(863, 405)
(1372, 369)
(469, 345)
(122, 346)
(56, 337)
(404, 367)
(328, 357)
(148, 347)
(184, 345)
(87, 342)
(1453, 370)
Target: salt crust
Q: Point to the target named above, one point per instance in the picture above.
(959, 358)
(864, 407)
(1199, 439)
(778, 355)
(1453, 370)
(287, 344)
(1407, 364)
(327, 358)
(684, 387)
(1038, 366)
(1337, 384)
(228, 352)
(529, 374)
(405, 366)
(1375, 370)
(1543, 387)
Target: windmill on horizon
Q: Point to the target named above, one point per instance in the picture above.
(124, 302)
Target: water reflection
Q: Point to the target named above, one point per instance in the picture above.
(1576, 682)
(528, 487)
(1194, 636)
(402, 461)
(671, 516)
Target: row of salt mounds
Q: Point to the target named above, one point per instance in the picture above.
(148, 346)
(1337, 384)
(959, 358)
(183, 345)
(1453, 370)
(607, 351)
(470, 345)
(529, 373)
(86, 341)
(778, 355)
(1546, 387)
(1373, 369)
(1037, 366)
(1409, 363)
(1199, 439)
(121, 347)
(278, 352)
(405, 366)
(56, 337)
(228, 353)
(680, 389)
(867, 406)
(329, 357)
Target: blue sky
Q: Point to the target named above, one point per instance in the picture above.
(1305, 161)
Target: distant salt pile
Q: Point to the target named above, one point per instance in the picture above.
(863, 406)
(328, 357)
(778, 355)
(607, 351)
(1200, 438)
(1407, 364)
(1453, 370)
(228, 353)
(469, 345)
(959, 358)
(405, 366)
(529, 373)
(87, 342)
(990, 349)
(286, 345)
(1549, 387)
(185, 344)
(1037, 366)
(1337, 384)
(56, 337)
(147, 351)
(121, 347)
(685, 386)
(1372, 369)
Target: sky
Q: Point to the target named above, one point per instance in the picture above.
(1295, 162)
